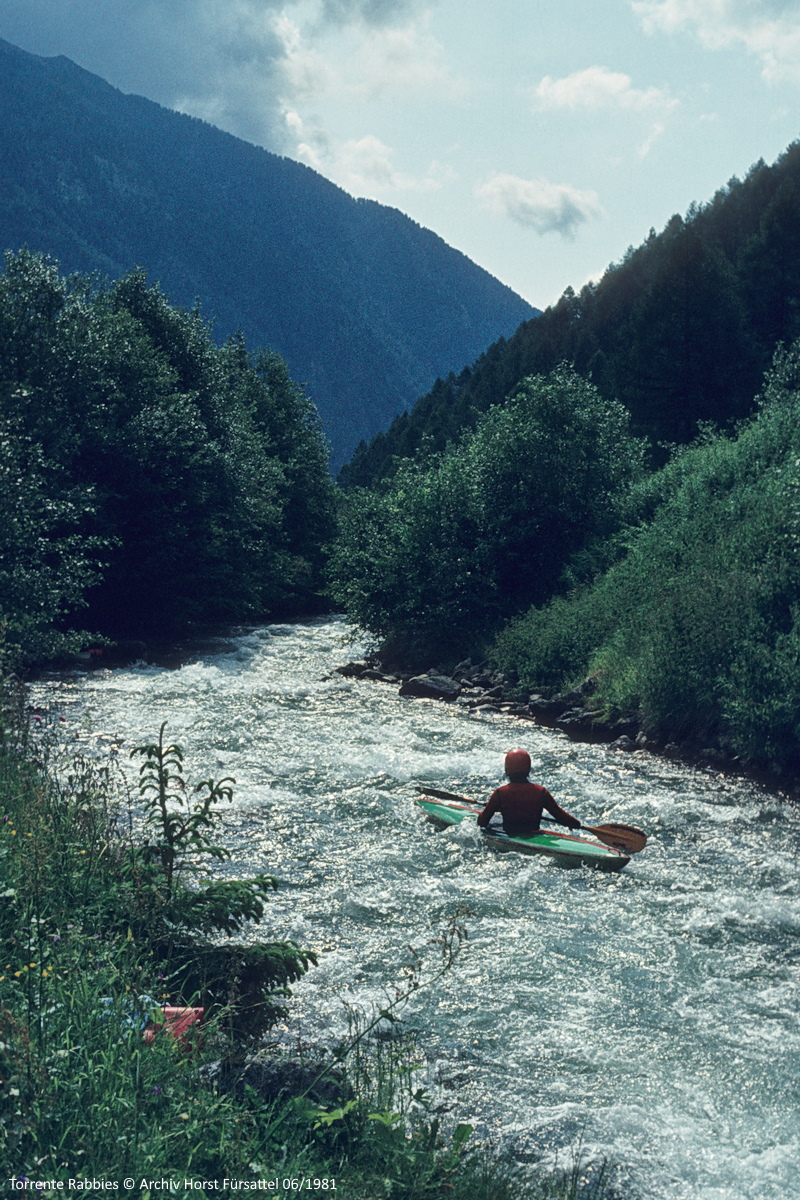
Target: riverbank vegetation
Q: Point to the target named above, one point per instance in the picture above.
(151, 482)
(106, 917)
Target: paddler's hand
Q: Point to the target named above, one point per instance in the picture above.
(573, 823)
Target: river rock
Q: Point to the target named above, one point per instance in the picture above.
(541, 706)
(575, 720)
(352, 669)
(431, 687)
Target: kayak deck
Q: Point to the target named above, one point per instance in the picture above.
(567, 849)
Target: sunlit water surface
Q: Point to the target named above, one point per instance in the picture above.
(650, 1016)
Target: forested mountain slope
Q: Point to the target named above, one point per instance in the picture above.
(681, 331)
(366, 306)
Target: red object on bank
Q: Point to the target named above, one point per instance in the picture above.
(178, 1022)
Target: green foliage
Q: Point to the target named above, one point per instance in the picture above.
(46, 562)
(76, 866)
(696, 626)
(144, 472)
(433, 562)
(163, 792)
(183, 833)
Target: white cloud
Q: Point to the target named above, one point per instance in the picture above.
(304, 71)
(404, 61)
(652, 137)
(767, 29)
(597, 87)
(371, 12)
(366, 166)
(538, 204)
(362, 166)
(369, 61)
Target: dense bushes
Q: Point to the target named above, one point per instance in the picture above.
(696, 627)
(144, 472)
(435, 561)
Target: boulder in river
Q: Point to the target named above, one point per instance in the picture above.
(352, 670)
(431, 687)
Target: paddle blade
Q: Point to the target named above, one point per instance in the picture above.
(621, 837)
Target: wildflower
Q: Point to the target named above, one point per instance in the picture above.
(157, 1090)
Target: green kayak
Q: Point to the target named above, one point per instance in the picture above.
(566, 849)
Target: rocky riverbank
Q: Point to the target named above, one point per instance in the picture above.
(482, 689)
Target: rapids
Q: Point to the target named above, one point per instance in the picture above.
(650, 1017)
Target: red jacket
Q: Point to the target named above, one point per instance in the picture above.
(521, 806)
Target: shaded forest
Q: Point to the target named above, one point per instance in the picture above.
(150, 481)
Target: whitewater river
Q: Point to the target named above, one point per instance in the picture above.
(651, 1016)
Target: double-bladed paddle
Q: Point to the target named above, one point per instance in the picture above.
(621, 837)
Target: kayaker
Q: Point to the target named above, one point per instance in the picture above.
(521, 802)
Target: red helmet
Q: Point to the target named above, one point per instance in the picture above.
(518, 762)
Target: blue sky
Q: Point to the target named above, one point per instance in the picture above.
(542, 138)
